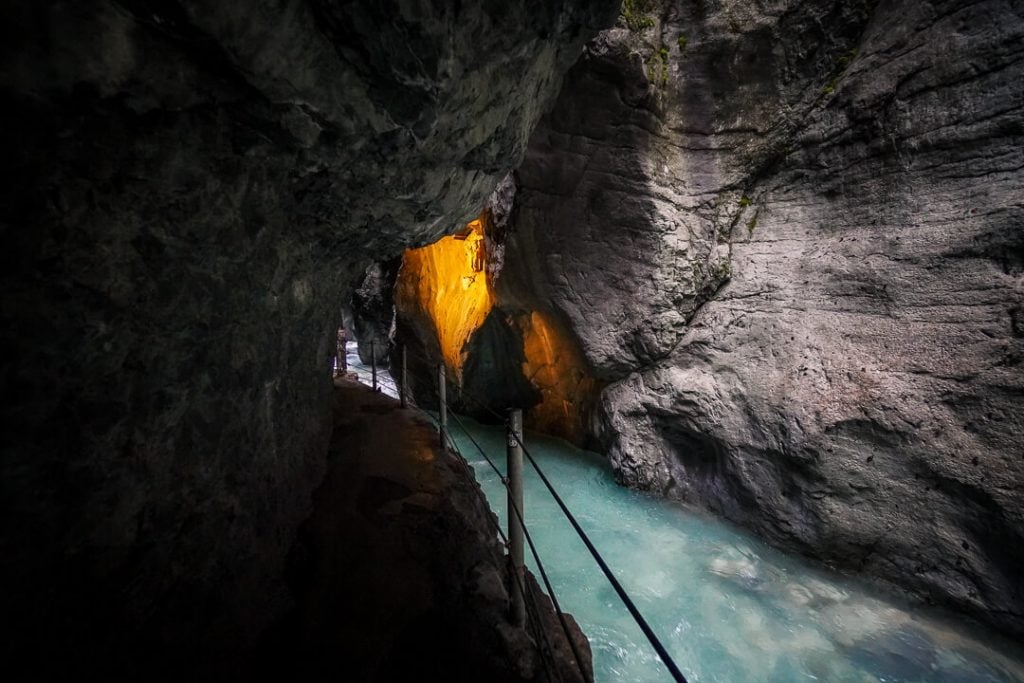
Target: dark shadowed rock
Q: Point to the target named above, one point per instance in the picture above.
(188, 189)
(425, 594)
(493, 370)
(373, 313)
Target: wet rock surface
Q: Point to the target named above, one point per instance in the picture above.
(789, 237)
(188, 189)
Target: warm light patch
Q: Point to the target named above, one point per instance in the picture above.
(555, 365)
(448, 281)
(444, 286)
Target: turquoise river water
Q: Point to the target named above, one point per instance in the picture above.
(727, 606)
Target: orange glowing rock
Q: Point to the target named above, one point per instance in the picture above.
(448, 281)
(556, 366)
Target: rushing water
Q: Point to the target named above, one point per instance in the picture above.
(365, 372)
(727, 607)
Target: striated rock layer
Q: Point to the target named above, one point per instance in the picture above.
(789, 235)
(188, 188)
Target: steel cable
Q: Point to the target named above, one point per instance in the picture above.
(656, 643)
(526, 533)
(666, 659)
(540, 633)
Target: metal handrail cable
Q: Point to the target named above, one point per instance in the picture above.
(652, 637)
(539, 632)
(627, 601)
(529, 539)
(536, 557)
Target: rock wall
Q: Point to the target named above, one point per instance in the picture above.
(373, 311)
(500, 349)
(788, 234)
(426, 589)
(188, 188)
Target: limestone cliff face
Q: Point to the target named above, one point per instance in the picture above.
(188, 188)
(789, 236)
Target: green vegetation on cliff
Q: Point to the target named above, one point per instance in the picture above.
(637, 14)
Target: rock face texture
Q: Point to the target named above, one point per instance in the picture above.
(500, 349)
(426, 591)
(188, 188)
(789, 236)
(373, 312)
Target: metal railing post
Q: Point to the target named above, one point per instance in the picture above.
(373, 363)
(405, 380)
(344, 350)
(442, 409)
(515, 521)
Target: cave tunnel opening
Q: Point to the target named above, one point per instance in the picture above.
(443, 304)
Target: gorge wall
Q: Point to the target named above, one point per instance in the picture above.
(788, 237)
(499, 350)
(188, 189)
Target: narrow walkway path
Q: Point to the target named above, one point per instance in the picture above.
(398, 573)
